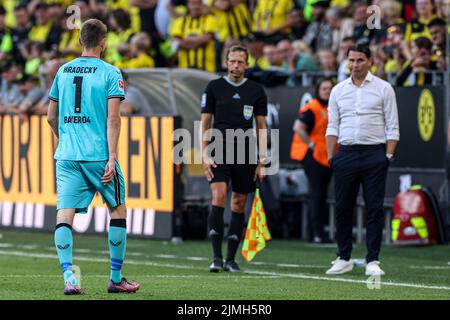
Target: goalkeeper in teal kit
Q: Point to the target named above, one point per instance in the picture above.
(84, 113)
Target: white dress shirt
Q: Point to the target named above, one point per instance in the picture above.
(363, 115)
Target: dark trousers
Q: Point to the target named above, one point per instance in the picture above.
(319, 178)
(354, 166)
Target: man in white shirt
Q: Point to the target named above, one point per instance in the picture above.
(363, 119)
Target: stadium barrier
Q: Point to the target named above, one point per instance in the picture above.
(28, 186)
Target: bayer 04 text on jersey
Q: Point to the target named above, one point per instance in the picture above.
(77, 119)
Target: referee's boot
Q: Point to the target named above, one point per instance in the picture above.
(231, 266)
(216, 265)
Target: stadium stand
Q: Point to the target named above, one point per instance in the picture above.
(34, 32)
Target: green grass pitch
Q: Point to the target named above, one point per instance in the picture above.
(284, 270)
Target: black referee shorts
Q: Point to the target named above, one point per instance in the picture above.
(241, 176)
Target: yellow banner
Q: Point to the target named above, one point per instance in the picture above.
(27, 168)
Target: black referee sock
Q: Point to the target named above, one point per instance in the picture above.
(215, 223)
(235, 234)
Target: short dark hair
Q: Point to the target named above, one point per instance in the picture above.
(437, 22)
(7, 65)
(238, 48)
(26, 78)
(348, 38)
(122, 18)
(92, 32)
(322, 4)
(423, 43)
(361, 48)
(85, 1)
(319, 83)
(41, 5)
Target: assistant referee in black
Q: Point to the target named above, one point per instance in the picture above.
(236, 103)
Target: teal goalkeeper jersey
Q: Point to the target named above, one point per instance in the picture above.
(82, 88)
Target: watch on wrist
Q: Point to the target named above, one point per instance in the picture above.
(264, 161)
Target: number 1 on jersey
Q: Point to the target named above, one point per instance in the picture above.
(78, 81)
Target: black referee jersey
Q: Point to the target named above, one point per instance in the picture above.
(235, 106)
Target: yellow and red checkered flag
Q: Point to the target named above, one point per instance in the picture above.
(257, 231)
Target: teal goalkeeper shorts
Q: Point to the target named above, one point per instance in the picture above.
(78, 181)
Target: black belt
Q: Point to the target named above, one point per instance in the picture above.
(359, 147)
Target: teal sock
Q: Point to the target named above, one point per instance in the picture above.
(117, 238)
(63, 244)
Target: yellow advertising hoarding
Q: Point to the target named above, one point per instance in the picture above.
(27, 168)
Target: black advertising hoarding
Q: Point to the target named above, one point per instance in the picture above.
(422, 128)
(421, 152)
(284, 103)
(421, 117)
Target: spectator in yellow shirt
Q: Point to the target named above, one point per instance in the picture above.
(418, 27)
(256, 59)
(39, 32)
(234, 24)
(272, 18)
(6, 44)
(69, 45)
(140, 46)
(193, 38)
(32, 52)
(120, 31)
(124, 51)
(233, 19)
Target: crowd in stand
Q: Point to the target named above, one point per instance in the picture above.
(283, 36)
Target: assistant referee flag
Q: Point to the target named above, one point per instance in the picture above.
(257, 231)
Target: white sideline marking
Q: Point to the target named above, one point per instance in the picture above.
(27, 246)
(165, 256)
(395, 284)
(134, 254)
(81, 250)
(250, 272)
(430, 267)
(92, 259)
(258, 263)
(197, 258)
(288, 265)
(322, 245)
(170, 256)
